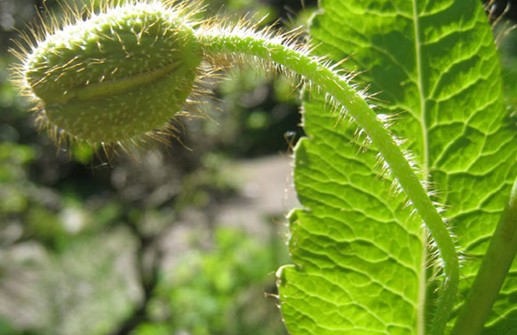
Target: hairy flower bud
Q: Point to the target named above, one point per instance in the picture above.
(117, 75)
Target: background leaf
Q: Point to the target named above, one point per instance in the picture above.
(358, 254)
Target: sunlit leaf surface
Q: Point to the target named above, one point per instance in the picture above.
(359, 255)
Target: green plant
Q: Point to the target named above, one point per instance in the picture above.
(363, 262)
(214, 291)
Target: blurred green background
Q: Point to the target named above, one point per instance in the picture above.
(168, 239)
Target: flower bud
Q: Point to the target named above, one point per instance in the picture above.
(118, 75)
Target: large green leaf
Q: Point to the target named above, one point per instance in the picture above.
(359, 255)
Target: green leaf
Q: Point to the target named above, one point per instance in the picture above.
(357, 249)
(359, 255)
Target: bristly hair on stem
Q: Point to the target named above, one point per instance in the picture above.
(74, 84)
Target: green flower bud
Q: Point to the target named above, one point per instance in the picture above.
(117, 75)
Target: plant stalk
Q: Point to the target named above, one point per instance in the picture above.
(328, 81)
(492, 272)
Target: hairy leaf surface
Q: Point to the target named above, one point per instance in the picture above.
(359, 255)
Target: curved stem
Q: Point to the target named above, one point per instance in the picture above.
(492, 272)
(337, 87)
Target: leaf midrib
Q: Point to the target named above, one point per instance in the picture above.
(425, 165)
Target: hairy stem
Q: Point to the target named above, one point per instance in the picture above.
(492, 272)
(328, 81)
